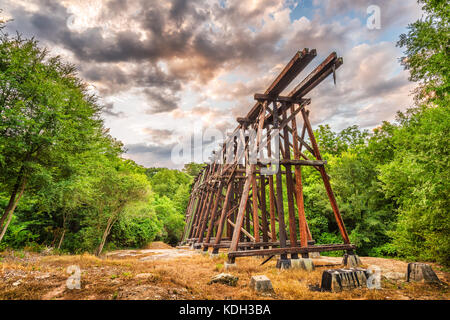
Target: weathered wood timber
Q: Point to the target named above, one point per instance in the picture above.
(228, 206)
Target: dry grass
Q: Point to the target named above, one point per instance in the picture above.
(44, 277)
(157, 245)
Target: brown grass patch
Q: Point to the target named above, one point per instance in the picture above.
(157, 245)
(181, 278)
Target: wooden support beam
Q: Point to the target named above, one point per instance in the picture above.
(290, 191)
(289, 73)
(279, 199)
(261, 97)
(248, 217)
(241, 229)
(244, 121)
(293, 162)
(299, 190)
(214, 212)
(271, 193)
(326, 181)
(332, 62)
(226, 203)
(290, 250)
(262, 201)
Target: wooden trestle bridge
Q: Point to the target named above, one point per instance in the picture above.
(237, 199)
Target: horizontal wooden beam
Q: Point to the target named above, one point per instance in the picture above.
(265, 97)
(328, 66)
(279, 251)
(244, 121)
(303, 162)
(242, 229)
(296, 65)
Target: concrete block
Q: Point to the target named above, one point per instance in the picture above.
(261, 283)
(229, 266)
(351, 261)
(283, 263)
(302, 263)
(421, 272)
(394, 276)
(336, 280)
(313, 255)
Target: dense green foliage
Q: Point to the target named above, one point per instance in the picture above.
(392, 185)
(78, 192)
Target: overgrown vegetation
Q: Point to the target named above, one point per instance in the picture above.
(63, 181)
(64, 184)
(392, 185)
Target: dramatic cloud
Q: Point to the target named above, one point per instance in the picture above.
(162, 135)
(108, 109)
(164, 67)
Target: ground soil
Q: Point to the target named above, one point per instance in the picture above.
(162, 272)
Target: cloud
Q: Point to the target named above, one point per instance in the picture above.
(161, 135)
(183, 61)
(108, 109)
(150, 155)
(392, 13)
(368, 88)
(160, 101)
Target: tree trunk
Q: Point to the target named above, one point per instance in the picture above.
(10, 208)
(64, 230)
(12, 199)
(109, 225)
(6, 227)
(62, 238)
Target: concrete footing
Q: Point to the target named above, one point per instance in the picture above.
(314, 255)
(421, 272)
(283, 263)
(336, 280)
(302, 263)
(229, 266)
(351, 261)
(261, 284)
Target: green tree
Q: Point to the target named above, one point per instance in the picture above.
(166, 182)
(46, 115)
(193, 169)
(427, 50)
(172, 220)
(118, 186)
(417, 180)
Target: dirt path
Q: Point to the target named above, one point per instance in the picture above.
(152, 254)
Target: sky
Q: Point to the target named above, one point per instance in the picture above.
(167, 71)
